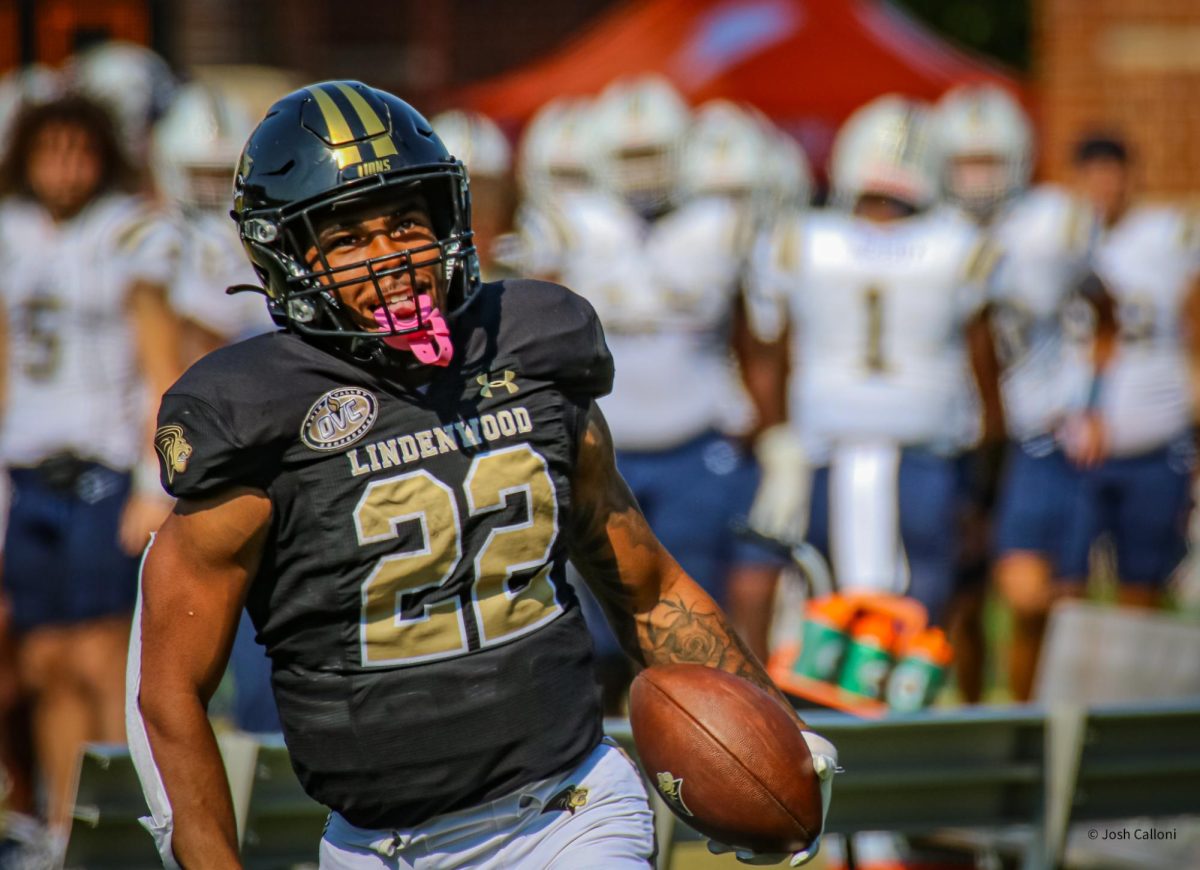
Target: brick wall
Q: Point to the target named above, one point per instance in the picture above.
(1131, 66)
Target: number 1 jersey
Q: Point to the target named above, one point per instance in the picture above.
(427, 652)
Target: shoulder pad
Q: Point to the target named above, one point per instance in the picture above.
(553, 334)
(218, 428)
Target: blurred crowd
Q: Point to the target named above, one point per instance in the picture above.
(913, 368)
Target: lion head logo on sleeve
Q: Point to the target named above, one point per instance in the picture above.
(174, 450)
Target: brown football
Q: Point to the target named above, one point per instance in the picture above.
(726, 757)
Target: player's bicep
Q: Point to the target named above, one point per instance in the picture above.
(611, 543)
(194, 584)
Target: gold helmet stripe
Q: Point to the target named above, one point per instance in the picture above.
(339, 129)
(372, 123)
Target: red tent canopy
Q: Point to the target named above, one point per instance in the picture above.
(806, 63)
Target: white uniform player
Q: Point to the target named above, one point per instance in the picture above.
(665, 279)
(1043, 236)
(1149, 262)
(70, 342)
(878, 315)
(878, 310)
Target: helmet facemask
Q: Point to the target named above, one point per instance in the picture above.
(409, 294)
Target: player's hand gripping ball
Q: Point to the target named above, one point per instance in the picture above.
(727, 759)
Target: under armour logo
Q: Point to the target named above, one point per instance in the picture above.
(507, 382)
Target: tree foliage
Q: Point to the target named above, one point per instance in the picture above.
(997, 28)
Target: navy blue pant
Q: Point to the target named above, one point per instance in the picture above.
(1038, 508)
(928, 490)
(63, 563)
(1143, 503)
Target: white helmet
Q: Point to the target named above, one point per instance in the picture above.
(983, 121)
(886, 147)
(554, 154)
(638, 133)
(726, 153)
(476, 141)
(196, 146)
(27, 85)
(134, 82)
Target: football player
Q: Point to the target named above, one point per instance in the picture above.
(1044, 236)
(87, 332)
(392, 484)
(1148, 260)
(872, 304)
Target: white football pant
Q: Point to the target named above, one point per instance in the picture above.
(549, 825)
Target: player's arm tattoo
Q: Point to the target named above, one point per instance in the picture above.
(659, 614)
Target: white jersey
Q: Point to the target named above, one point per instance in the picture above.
(1148, 262)
(72, 373)
(212, 259)
(877, 316)
(1044, 239)
(665, 293)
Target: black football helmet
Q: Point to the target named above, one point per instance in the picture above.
(331, 146)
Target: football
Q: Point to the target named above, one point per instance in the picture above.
(725, 757)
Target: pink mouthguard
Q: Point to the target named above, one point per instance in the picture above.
(430, 344)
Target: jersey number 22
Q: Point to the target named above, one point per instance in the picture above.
(388, 636)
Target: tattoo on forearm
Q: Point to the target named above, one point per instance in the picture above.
(676, 632)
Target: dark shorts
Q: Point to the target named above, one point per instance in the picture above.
(1142, 502)
(1038, 506)
(63, 563)
(928, 488)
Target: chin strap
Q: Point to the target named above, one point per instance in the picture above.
(430, 344)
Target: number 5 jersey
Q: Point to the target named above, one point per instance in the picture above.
(427, 652)
(72, 376)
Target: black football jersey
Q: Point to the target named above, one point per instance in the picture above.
(427, 652)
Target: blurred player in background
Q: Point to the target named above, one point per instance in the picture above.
(1043, 236)
(1148, 261)
(88, 334)
(658, 246)
(874, 304)
(19, 88)
(476, 140)
(194, 152)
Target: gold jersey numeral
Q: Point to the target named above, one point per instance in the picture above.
(391, 633)
(874, 358)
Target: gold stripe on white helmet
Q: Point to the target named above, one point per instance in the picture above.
(886, 148)
(727, 153)
(987, 142)
(553, 156)
(638, 132)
